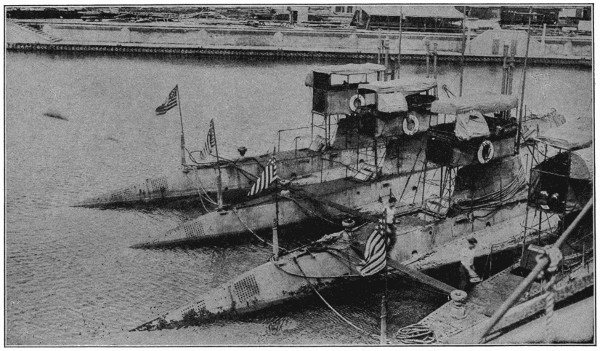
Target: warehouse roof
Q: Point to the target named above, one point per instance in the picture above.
(414, 11)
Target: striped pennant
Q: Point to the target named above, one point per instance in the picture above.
(375, 254)
(210, 142)
(169, 103)
(268, 176)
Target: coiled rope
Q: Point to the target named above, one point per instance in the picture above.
(415, 334)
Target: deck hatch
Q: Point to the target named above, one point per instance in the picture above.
(200, 306)
(194, 229)
(159, 184)
(246, 288)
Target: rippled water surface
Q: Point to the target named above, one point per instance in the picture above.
(71, 277)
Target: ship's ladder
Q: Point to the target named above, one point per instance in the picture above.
(441, 203)
(372, 162)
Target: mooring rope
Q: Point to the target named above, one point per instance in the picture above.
(331, 307)
(549, 308)
(200, 194)
(315, 214)
(234, 210)
(208, 198)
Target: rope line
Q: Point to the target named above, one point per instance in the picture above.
(331, 307)
(303, 275)
(234, 210)
(315, 214)
(198, 190)
(497, 198)
(549, 309)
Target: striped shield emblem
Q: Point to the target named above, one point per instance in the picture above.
(268, 176)
(375, 251)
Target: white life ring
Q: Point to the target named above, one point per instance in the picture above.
(489, 154)
(352, 102)
(415, 121)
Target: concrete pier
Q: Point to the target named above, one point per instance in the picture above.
(279, 42)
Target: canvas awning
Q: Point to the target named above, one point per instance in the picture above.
(573, 135)
(406, 85)
(484, 103)
(471, 125)
(351, 68)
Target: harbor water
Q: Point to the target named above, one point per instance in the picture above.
(70, 276)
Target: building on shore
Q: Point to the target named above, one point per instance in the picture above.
(414, 18)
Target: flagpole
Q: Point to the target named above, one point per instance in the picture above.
(383, 331)
(219, 191)
(276, 220)
(182, 135)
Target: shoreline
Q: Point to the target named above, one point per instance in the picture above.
(283, 42)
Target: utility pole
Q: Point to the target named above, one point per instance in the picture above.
(524, 76)
(464, 48)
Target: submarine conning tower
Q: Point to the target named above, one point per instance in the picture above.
(334, 91)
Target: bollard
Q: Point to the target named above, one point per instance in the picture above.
(459, 298)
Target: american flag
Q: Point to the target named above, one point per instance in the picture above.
(210, 142)
(169, 103)
(267, 177)
(375, 251)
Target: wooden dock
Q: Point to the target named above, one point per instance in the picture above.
(266, 52)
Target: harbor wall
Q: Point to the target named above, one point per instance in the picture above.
(346, 41)
(275, 38)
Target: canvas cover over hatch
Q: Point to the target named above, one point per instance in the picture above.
(573, 135)
(407, 85)
(484, 103)
(471, 125)
(393, 102)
